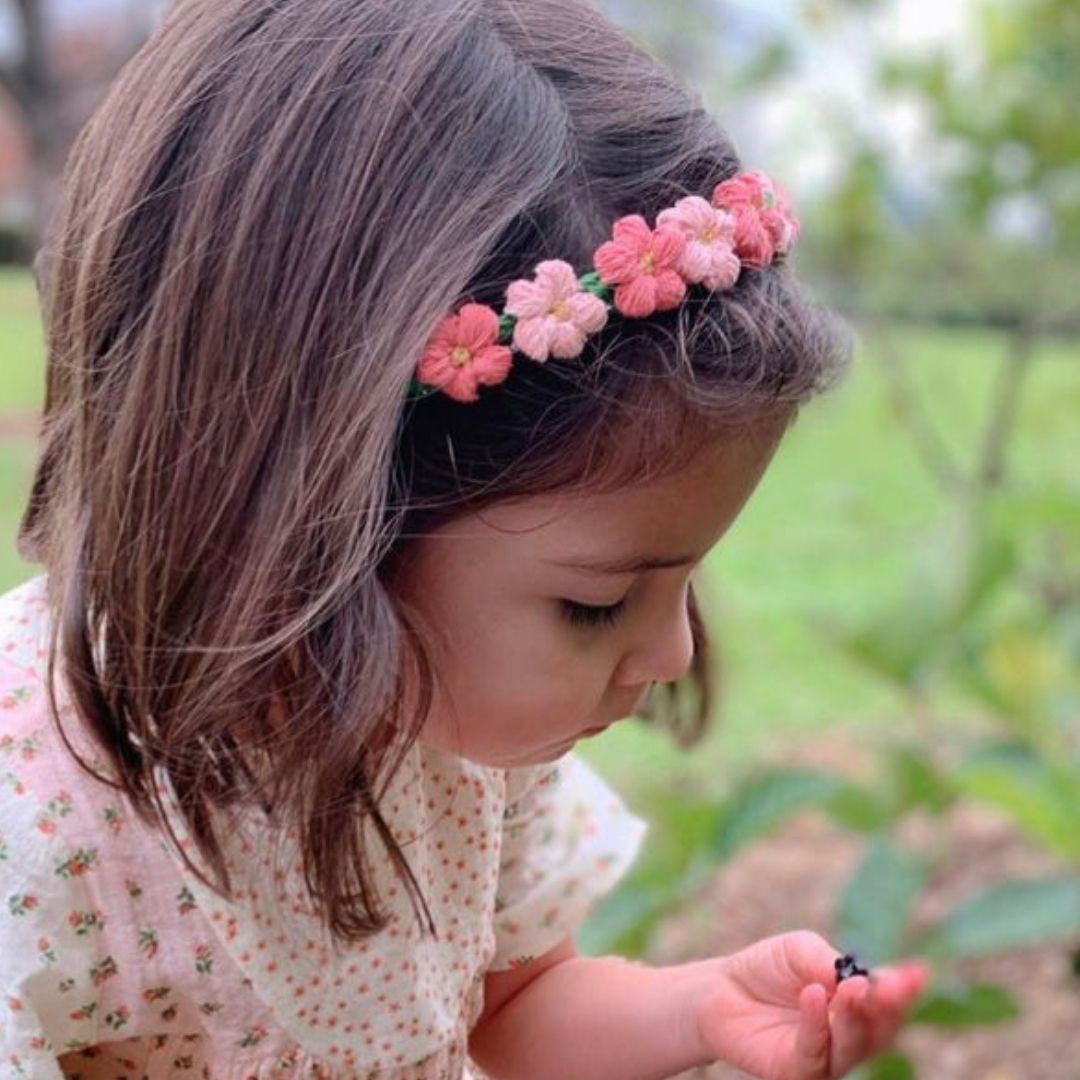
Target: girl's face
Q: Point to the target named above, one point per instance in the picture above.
(536, 645)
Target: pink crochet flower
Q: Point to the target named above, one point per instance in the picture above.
(764, 224)
(462, 353)
(553, 313)
(709, 256)
(641, 263)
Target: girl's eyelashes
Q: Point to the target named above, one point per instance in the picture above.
(593, 615)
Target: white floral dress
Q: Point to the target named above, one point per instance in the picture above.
(116, 961)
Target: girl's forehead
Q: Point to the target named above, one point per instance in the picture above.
(675, 517)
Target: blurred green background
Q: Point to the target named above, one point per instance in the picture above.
(898, 608)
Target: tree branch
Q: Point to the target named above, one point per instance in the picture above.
(1002, 422)
(929, 445)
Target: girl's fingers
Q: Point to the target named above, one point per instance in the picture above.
(891, 993)
(811, 957)
(812, 1036)
(851, 1031)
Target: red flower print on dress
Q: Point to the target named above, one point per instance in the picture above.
(21, 903)
(10, 701)
(148, 943)
(554, 314)
(254, 1035)
(118, 1017)
(78, 864)
(463, 353)
(82, 922)
(204, 959)
(114, 818)
(104, 970)
(641, 263)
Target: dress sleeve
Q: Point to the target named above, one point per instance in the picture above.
(567, 838)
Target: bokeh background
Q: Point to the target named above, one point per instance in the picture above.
(895, 758)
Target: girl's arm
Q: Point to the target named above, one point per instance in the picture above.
(772, 1009)
(574, 1017)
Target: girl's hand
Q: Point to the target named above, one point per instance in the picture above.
(777, 1013)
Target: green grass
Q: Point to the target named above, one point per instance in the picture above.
(22, 384)
(830, 530)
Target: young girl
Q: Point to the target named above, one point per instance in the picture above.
(404, 362)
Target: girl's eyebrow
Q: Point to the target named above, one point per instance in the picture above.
(632, 565)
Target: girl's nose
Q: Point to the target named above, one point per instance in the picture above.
(664, 649)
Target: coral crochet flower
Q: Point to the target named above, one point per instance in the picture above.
(641, 263)
(764, 224)
(747, 224)
(463, 353)
(554, 314)
(709, 256)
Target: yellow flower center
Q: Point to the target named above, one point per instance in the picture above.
(460, 356)
(647, 262)
(709, 234)
(560, 310)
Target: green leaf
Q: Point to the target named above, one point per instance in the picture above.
(990, 564)
(859, 809)
(681, 828)
(876, 903)
(965, 1006)
(917, 781)
(1026, 666)
(679, 843)
(1042, 797)
(1009, 916)
(895, 644)
(765, 802)
(623, 922)
(891, 1066)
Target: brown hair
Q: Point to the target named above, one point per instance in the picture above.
(259, 228)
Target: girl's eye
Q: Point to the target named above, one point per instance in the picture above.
(590, 615)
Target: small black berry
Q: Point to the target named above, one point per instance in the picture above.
(847, 966)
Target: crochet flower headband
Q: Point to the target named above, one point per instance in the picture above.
(747, 223)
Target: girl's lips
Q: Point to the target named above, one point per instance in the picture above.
(642, 698)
